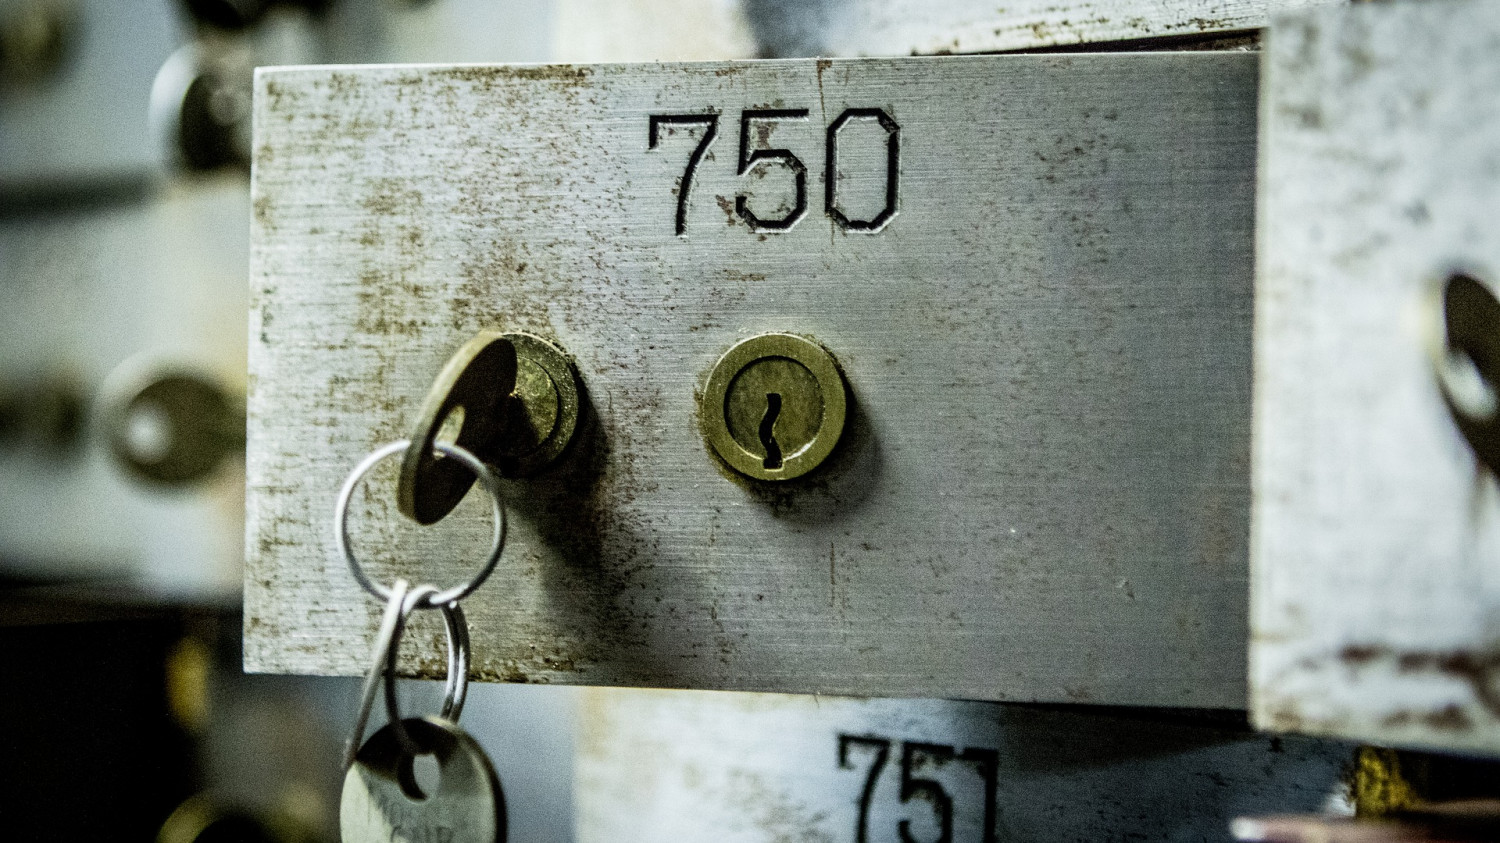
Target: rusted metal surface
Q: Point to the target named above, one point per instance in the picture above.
(1375, 528)
(1042, 489)
(756, 768)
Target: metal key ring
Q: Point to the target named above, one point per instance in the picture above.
(457, 686)
(486, 478)
(405, 600)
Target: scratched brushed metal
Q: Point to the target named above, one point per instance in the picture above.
(1043, 489)
(1375, 587)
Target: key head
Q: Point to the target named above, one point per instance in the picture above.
(383, 802)
(478, 379)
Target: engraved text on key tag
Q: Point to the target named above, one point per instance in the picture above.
(382, 800)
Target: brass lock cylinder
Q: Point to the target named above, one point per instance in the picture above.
(774, 406)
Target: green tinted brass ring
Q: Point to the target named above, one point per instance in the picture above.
(543, 415)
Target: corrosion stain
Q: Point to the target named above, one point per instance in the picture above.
(565, 73)
(261, 208)
(389, 197)
(1359, 655)
(1450, 717)
(1481, 669)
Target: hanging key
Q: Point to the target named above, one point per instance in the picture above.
(382, 798)
(383, 801)
(510, 399)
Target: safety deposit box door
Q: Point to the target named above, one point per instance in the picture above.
(1377, 438)
(672, 765)
(1023, 281)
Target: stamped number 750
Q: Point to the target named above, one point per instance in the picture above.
(706, 126)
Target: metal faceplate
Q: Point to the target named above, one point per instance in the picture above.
(1377, 533)
(659, 766)
(1033, 271)
(894, 27)
(621, 30)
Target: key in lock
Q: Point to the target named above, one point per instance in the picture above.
(511, 399)
(774, 406)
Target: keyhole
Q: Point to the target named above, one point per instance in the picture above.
(768, 430)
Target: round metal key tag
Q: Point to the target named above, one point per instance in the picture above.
(382, 800)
